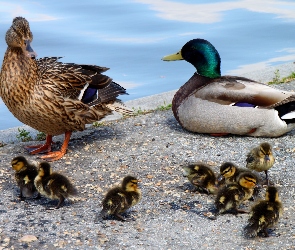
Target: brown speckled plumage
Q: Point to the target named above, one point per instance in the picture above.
(51, 96)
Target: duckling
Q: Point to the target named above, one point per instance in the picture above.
(261, 159)
(201, 176)
(53, 185)
(264, 214)
(229, 173)
(231, 196)
(25, 174)
(121, 198)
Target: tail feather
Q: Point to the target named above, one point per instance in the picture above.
(119, 107)
(251, 230)
(72, 190)
(111, 92)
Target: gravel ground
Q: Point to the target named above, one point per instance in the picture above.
(171, 215)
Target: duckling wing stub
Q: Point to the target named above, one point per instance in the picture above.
(250, 158)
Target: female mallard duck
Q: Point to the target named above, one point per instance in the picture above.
(50, 96)
(215, 104)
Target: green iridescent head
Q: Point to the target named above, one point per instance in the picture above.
(202, 55)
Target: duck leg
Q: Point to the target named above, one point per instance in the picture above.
(54, 156)
(35, 149)
(61, 200)
(266, 175)
(120, 217)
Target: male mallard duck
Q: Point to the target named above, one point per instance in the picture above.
(53, 185)
(261, 158)
(231, 196)
(50, 96)
(215, 104)
(25, 174)
(264, 214)
(119, 199)
(201, 176)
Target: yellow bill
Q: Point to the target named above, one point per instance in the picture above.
(173, 57)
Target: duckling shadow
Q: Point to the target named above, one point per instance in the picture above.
(207, 212)
(173, 124)
(128, 216)
(93, 135)
(187, 186)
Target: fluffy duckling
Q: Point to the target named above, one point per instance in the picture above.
(25, 174)
(53, 185)
(231, 196)
(201, 176)
(229, 173)
(264, 214)
(119, 199)
(261, 159)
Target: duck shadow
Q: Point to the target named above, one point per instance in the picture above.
(207, 211)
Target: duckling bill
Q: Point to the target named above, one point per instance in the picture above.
(264, 214)
(53, 185)
(119, 199)
(201, 176)
(25, 174)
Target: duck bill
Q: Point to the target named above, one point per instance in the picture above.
(28, 50)
(174, 57)
(266, 158)
(220, 178)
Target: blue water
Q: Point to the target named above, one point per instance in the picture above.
(131, 37)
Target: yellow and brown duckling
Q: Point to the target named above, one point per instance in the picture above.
(231, 196)
(25, 174)
(261, 158)
(264, 214)
(201, 176)
(121, 198)
(229, 173)
(53, 185)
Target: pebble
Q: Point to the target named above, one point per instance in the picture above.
(169, 216)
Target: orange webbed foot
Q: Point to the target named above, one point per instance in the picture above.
(45, 148)
(53, 156)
